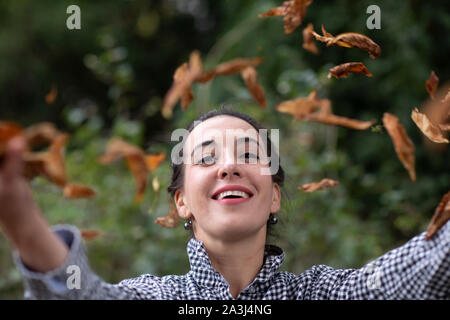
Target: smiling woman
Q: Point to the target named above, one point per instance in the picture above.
(230, 199)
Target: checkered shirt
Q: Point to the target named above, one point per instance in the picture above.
(419, 269)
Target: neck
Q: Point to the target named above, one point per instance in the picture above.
(239, 262)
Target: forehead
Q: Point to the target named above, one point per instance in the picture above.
(221, 127)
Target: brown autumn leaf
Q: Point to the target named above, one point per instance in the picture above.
(342, 70)
(445, 127)
(42, 133)
(294, 11)
(315, 186)
(332, 119)
(250, 77)
(349, 40)
(76, 190)
(429, 129)
(90, 234)
(308, 43)
(135, 158)
(440, 217)
(236, 66)
(301, 107)
(181, 87)
(51, 96)
(431, 84)
(171, 220)
(402, 143)
(154, 160)
(438, 109)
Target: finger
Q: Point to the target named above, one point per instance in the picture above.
(13, 162)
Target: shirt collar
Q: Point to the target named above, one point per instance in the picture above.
(206, 276)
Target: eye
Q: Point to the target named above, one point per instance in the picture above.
(249, 155)
(207, 160)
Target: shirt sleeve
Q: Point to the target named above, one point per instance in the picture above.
(75, 280)
(419, 269)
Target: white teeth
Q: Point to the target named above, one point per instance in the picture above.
(232, 193)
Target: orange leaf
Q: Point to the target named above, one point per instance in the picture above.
(171, 220)
(308, 43)
(236, 65)
(294, 11)
(402, 144)
(72, 190)
(315, 186)
(430, 130)
(431, 84)
(90, 234)
(349, 40)
(8, 130)
(339, 121)
(342, 70)
(42, 133)
(301, 107)
(116, 149)
(250, 77)
(51, 96)
(440, 217)
(154, 160)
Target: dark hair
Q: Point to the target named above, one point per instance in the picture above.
(177, 179)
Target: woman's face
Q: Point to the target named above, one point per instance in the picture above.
(217, 156)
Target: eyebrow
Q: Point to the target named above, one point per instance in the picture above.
(238, 141)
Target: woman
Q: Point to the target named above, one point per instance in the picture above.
(228, 201)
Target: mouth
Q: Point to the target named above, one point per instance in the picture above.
(232, 195)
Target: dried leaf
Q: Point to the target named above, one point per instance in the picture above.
(301, 107)
(349, 40)
(51, 96)
(445, 127)
(430, 130)
(8, 130)
(250, 77)
(181, 88)
(171, 220)
(154, 160)
(402, 143)
(431, 84)
(236, 66)
(76, 190)
(440, 217)
(90, 234)
(315, 186)
(42, 133)
(135, 158)
(308, 43)
(335, 120)
(342, 70)
(294, 11)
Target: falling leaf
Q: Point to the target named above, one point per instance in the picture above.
(181, 88)
(51, 96)
(349, 40)
(315, 186)
(438, 109)
(135, 158)
(294, 12)
(339, 121)
(342, 70)
(308, 43)
(154, 160)
(235, 66)
(75, 190)
(430, 130)
(171, 220)
(445, 127)
(42, 133)
(314, 109)
(250, 77)
(440, 217)
(90, 234)
(402, 143)
(431, 84)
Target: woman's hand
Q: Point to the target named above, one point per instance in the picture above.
(20, 217)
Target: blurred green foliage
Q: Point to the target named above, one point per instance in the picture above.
(113, 74)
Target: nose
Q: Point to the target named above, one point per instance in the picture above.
(229, 168)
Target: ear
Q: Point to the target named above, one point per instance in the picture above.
(180, 202)
(276, 199)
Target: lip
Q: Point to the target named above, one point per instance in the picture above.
(232, 201)
(232, 187)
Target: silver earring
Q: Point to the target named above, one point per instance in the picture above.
(188, 224)
(272, 219)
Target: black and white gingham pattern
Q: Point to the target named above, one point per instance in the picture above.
(419, 269)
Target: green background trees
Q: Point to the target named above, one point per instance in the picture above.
(113, 74)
